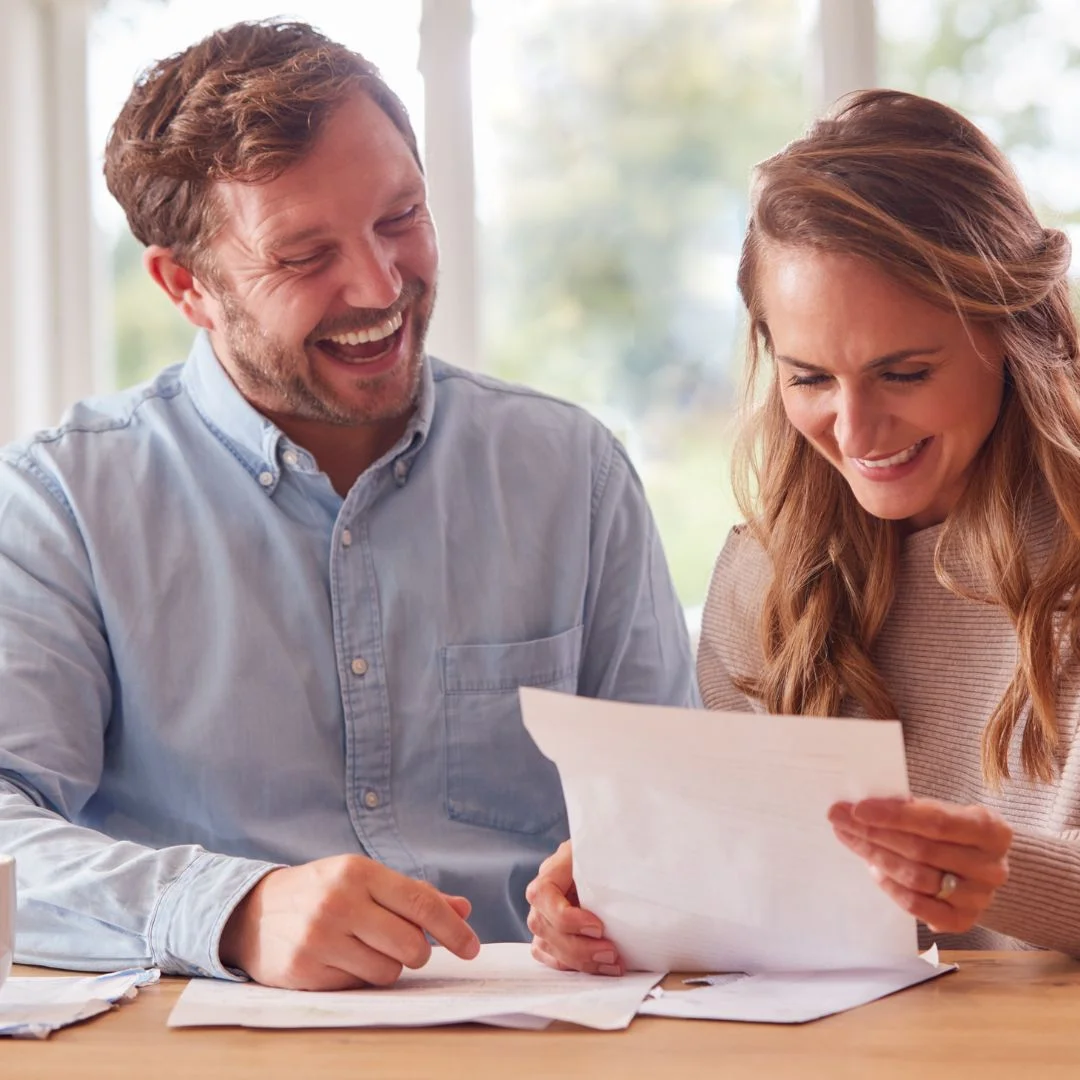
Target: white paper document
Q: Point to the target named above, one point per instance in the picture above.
(779, 997)
(701, 838)
(503, 986)
(35, 1007)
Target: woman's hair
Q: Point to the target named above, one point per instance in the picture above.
(919, 192)
(242, 105)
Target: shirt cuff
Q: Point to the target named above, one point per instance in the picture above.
(186, 926)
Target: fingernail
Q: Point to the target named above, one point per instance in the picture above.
(592, 931)
(876, 873)
(609, 969)
(605, 957)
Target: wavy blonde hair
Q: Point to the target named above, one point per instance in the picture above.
(918, 191)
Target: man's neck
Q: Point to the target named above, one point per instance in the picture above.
(343, 452)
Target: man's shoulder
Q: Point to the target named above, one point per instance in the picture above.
(522, 403)
(99, 435)
(111, 419)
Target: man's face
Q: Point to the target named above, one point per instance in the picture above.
(326, 277)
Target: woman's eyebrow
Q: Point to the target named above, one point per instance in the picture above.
(881, 361)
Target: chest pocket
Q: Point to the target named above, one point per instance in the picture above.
(495, 775)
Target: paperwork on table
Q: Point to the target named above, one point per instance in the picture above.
(503, 986)
(778, 997)
(35, 1007)
(701, 839)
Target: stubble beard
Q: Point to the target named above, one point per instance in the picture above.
(279, 378)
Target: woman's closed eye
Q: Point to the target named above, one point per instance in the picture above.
(815, 379)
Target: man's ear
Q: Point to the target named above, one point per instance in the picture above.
(180, 286)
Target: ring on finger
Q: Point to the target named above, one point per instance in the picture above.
(949, 883)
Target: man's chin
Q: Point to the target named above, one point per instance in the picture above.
(373, 399)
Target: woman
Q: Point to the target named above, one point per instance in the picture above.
(911, 483)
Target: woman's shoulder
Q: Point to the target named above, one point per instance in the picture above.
(740, 576)
(731, 619)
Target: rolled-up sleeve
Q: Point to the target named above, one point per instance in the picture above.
(85, 900)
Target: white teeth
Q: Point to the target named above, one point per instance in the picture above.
(374, 333)
(897, 459)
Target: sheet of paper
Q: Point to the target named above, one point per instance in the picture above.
(32, 1008)
(791, 997)
(504, 985)
(701, 838)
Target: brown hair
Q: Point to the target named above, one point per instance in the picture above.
(919, 192)
(243, 104)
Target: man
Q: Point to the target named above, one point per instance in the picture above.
(263, 621)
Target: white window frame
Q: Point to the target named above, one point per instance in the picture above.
(54, 345)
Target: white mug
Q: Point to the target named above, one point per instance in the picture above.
(7, 915)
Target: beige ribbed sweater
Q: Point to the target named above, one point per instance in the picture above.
(946, 662)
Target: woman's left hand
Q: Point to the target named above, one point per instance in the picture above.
(940, 861)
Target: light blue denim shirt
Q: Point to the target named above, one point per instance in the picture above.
(212, 664)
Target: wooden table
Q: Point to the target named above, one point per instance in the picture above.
(1007, 1015)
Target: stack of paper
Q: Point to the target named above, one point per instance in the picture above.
(790, 997)
(33, 1008)
(503, 986)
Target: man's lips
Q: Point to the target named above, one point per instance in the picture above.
(360, 352)
(365, 343)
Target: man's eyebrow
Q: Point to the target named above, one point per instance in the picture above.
(298, 237)
(410, 191)
(878, 362)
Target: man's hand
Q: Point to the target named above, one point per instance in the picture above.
(941, 862)
(341, 922)
(566, 936)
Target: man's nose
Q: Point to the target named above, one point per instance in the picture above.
(857, 423)
(372, 279)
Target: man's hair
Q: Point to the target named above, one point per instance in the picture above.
(917, 191)
(242, 105)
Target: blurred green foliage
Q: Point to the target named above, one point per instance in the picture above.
(149, 333)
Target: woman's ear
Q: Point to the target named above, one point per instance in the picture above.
(180, 285)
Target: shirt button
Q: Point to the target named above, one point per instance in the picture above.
(401, 471)
(346, 538)
(371, 799)
(266, 478)
(290, 458)
(359, 666)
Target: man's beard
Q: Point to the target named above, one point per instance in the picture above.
(279, 378)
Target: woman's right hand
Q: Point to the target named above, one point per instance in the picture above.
(565, 935)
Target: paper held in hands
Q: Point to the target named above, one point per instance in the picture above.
(701, 838)
(701, 841)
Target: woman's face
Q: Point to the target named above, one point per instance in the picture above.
(897, 394)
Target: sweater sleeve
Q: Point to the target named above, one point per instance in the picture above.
(1040, 903)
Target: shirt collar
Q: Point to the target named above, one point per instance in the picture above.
(255, 441)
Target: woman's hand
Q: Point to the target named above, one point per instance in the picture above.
(940, 861)
(565, 936)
